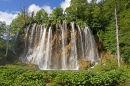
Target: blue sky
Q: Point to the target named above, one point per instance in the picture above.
(14, 5)
(10, 8)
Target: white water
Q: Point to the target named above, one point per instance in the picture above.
(90, 46)
(31, 37)
(47, 56)
(64, 60)
(81, 42)
(41, 52)
(40, 47)
(74, 65)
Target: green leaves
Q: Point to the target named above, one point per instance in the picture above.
(77, 10)
(20, 21)
(109, 38)
(22, 77)
(124, 25)
(56, 15)
(107, 33)
(41, 16)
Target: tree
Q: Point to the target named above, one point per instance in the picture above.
(19, 22)
(57, 14)
(76, 11)
(8, 33)
(2, 29)
(117, 37)
(70, 14)
(4, 36)
(107, 31)
(124, 30)
(2, 42)
(41, 16)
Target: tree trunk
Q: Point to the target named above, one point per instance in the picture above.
(117, 37)
(7, 43)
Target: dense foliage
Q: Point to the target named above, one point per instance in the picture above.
(41, 16)
(5, 36)
(56, 15)
(16, 76)
(99, 16)
(107, 33)
(2, 41)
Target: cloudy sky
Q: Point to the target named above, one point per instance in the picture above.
(10, 8)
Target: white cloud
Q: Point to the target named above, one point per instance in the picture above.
(7, 17)
(47, 9)
(36, 8)
(65, 4)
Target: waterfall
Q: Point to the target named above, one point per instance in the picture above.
(64, 63)
(92, 54)
(47, 56)
(58, 47)
(31, 38)
(81, 42)
(41, 51)
(73, 61)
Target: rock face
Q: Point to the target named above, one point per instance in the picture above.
(57, 46)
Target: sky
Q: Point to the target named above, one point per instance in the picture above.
(10, 8)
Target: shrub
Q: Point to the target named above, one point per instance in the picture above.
(11, 76)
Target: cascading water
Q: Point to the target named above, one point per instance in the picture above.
(73, 54)
(80, 43)
(64, 60)
(47, 57)
(41, 51)
(90, 46)
(58, 46)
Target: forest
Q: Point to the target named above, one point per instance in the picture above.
(101, 19)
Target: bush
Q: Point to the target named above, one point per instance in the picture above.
(12, 76)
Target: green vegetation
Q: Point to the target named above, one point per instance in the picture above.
(20, 21)
(56, 15)
(100, 18)
(12, 75)
(41, 16)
